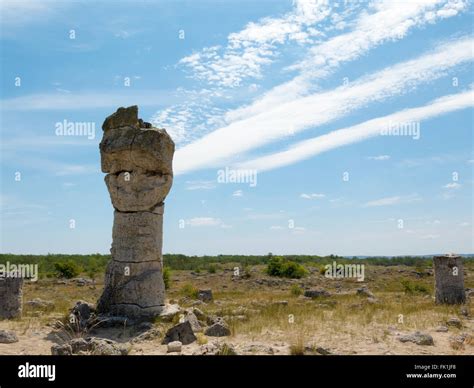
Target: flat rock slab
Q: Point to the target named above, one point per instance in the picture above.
(418, 338)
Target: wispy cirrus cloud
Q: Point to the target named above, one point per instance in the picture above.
(395, 200)
(254, 47)
(386, 21)
(200, 185)
(359, 132)
(379, 157)
(206, 222)
(88, 100)
(321, 108)
(312, 196)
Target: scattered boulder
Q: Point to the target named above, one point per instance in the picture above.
(198, 313)
(7, 337)
(441, 329)
(182, 332)
(418, 338)
(91, 345)
(174, 347)
(216, 349)
(40, 304)
(169, 312)
(218, 329)
(257, 349)
(83, 310)
(205, 295)
(61, 350)
(280, 303)
(364, 291)
(106, 347)
(316, 293)
(194, 322)
(323, 351)
(454, 322)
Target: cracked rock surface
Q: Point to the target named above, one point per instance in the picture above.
(138, 161)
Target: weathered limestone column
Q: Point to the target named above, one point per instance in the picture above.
(11, 297)
(449, 279)
(138, 160)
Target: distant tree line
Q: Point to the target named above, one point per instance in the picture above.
(61, 265)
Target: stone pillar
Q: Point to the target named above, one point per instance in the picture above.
(138, 160)
(449, 279)
(11, 297)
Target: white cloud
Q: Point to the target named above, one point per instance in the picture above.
(238, 193)
(86, 100)
(379, 157)
(200, 185)
(359, 132)
(396, 200)
(390, 21)
(452, 185)
(464, 224)
(248, 51)
(192, 117)
(320, 108)
(312, 196)
(203, 221)
(276, 227)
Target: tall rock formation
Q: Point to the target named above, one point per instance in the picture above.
(138, 161)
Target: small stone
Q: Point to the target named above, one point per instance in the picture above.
(205, 295)
(441, 329)
(192, 319)
(82, 310)
(454, 322)
(40, 304)
(199, 314)
(169, 312)
(7, 337)
(316, 293)
(123, 117)
(174, 347)
(105, 347)
(418, 338)
(79, 345)
(323, 351)
(182, 332)
(61, 350)
(218, 329)
(364, 291)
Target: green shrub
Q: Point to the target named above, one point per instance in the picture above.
(277, 266)
(212, 268)
(413, 288)
(189, 290)
(167, 277)
(68, 269)
(296, 290)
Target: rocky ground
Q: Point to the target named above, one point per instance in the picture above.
(251, 314)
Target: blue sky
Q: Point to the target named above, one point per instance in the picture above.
(299, 94)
